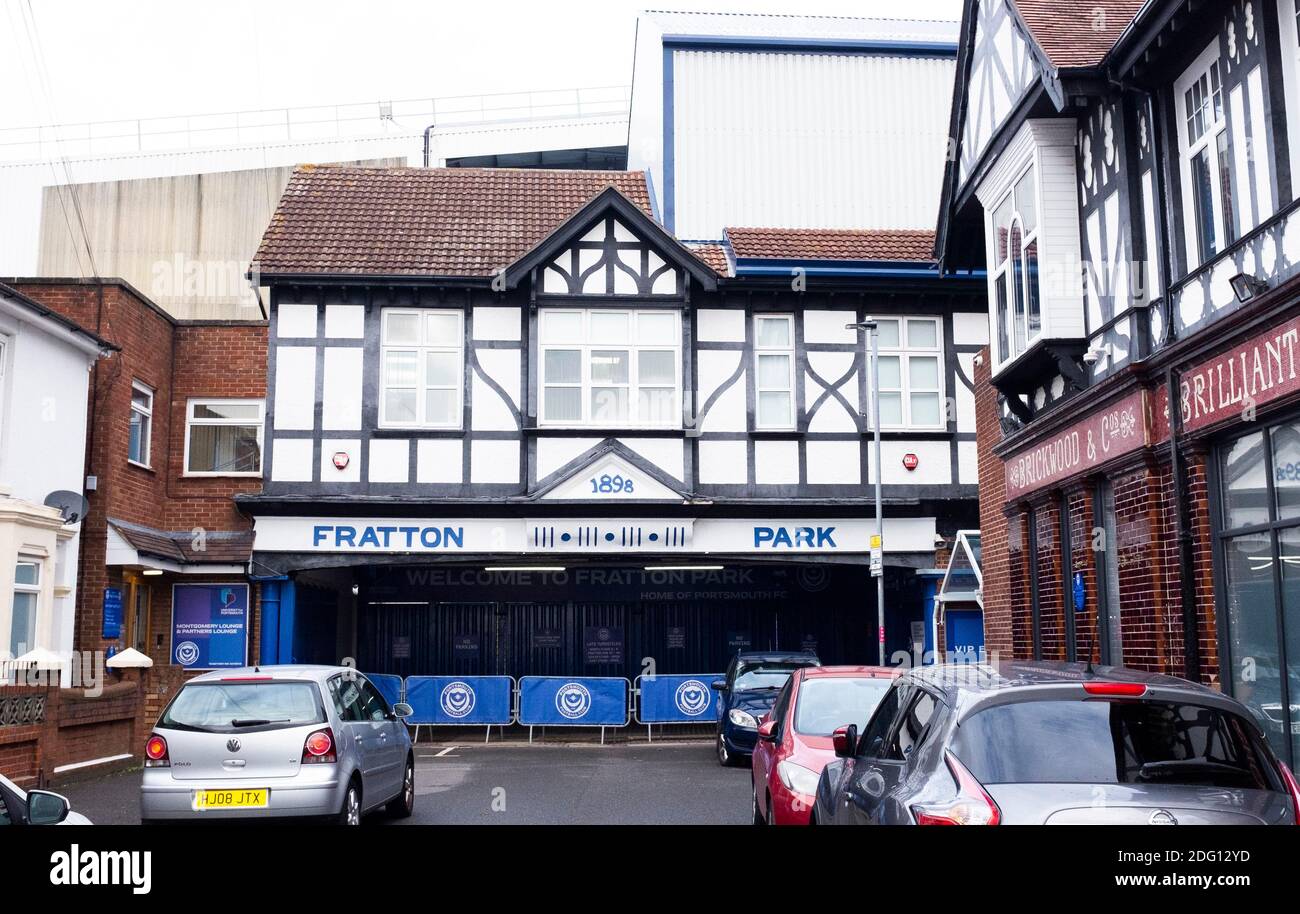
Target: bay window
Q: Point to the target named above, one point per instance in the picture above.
(610, 368)
(911, 373)
(1018, 307)
(27, 594)
(774, 371)
(421, 368)
(1204, 159)
(223, 438)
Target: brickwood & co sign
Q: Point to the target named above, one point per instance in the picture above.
(1119, 429)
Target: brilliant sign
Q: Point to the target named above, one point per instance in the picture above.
(1261, 370)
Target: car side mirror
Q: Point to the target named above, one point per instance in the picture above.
(767, 730)
(718, 685)
(402, 710)
(845, 741)
(45, 808)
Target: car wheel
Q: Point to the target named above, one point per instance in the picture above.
(402, 805)
(350, 814)
(756, 816)
(725, 758)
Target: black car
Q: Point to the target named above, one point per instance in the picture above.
(1045, 743)
(749, 690)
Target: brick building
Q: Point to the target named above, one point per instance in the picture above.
(1123, 172)
(174, 431)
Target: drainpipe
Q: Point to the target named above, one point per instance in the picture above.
(1173, 382)
(1186, 555)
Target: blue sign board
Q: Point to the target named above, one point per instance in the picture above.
(112, 613)
(209, 625)
(1080, 592)
(450, 700)
(388, 685)
(677, 699)
(558, 701)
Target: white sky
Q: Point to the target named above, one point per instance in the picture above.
(117, 59)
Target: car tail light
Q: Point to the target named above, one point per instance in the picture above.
(319, 748)
(155, 753)
(1291, 787)
(1116, 689)
(973, 805)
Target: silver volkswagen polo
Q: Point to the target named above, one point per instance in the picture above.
(278, 741)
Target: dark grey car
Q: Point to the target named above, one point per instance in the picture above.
(1031, 743)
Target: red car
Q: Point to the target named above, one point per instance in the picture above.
(794, 738)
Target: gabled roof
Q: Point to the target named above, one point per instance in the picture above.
(1069, 41)
(666, 486)
(892, 245)
(1076, 33)
(607, 201)
(446, 222)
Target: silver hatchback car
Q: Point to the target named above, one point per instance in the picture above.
(277, 742)
(1046, 743)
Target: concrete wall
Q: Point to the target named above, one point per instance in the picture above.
(184, 241)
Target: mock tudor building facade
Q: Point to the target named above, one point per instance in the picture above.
(1124, 175)
(507, 409)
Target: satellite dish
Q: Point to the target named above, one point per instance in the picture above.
(72, 505)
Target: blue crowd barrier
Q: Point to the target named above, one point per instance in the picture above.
(441, 701)
(389, 686)
(680, 698)
(573, 701)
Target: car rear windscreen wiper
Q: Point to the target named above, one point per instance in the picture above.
(256, 722)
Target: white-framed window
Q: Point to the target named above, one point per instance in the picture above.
(911, 373)
(1017, 309)
(4, 353)
(1204, 161)
(141, 436)
(422, 368)
(604, 367)
(223, 437)
(774, 371)
(27, 596)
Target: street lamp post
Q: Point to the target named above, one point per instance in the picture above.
(873, 332)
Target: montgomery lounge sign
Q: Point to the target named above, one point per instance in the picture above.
(1119, 429)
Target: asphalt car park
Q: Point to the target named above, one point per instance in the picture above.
(668, 783)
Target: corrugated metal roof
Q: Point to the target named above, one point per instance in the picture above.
(806, 140)
(834, 28)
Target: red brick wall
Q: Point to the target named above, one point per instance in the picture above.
(1146, 549)
(179, 361)
(74, 728)
(998, 635)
